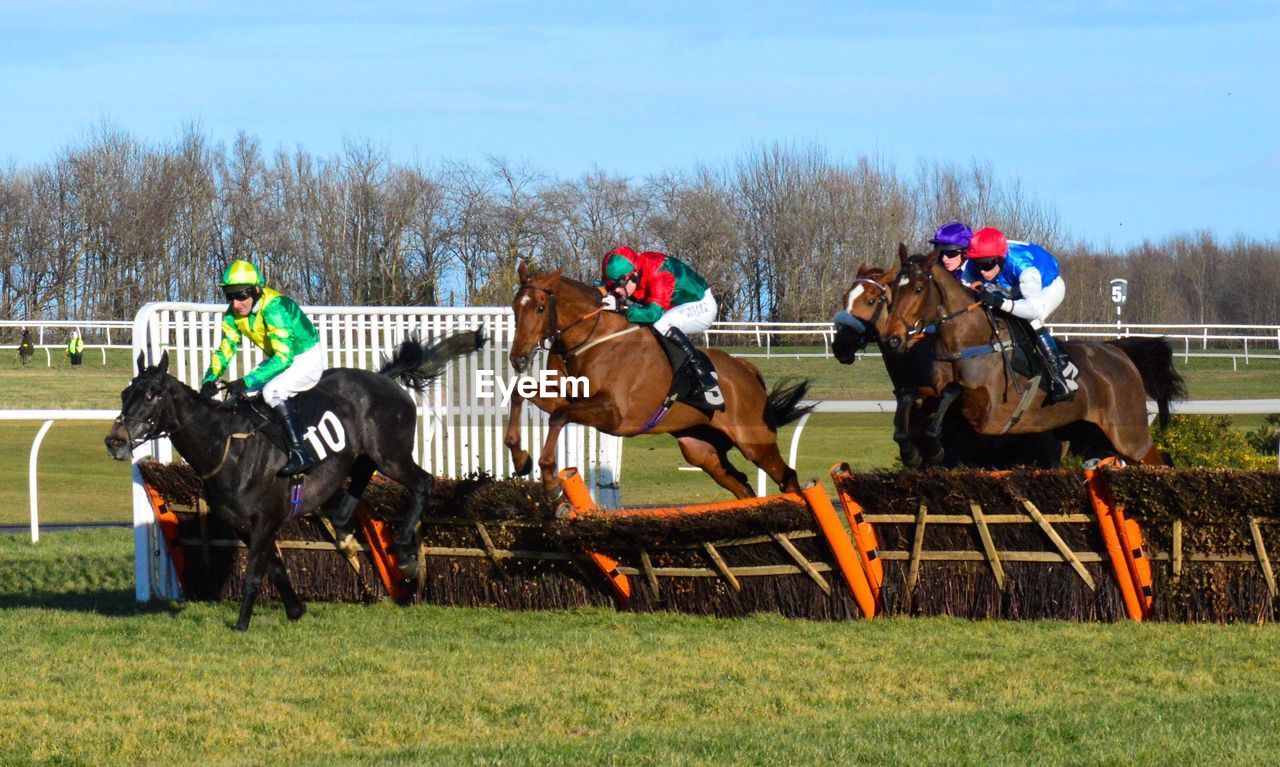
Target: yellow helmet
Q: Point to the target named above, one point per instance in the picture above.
(241, 273)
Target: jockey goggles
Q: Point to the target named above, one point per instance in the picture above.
(612, 284)
(238, 292)
(986, 264)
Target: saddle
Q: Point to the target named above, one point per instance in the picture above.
(685, 386)
(312, 405)
(1025, 358)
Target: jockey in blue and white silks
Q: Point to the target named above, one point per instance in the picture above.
(1022, 279)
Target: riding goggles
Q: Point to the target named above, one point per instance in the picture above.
(239, 293)
(986, 264)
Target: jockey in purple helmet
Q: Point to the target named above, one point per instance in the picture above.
(951, 242)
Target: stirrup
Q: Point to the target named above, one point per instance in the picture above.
(300, 462)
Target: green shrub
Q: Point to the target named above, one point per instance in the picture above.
(1265, 438)
(1209, 441)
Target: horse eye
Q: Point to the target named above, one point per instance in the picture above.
(541, 309)
(150, 396)
(919, 289)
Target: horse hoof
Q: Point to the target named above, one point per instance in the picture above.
(239, 627)
(294, 615)
(525, 468)
(408, 564)
(911, 458)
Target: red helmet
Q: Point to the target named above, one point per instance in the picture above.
(987, 242)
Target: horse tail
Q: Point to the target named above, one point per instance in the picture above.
(1154, 359)
(416, 364)
(782, 406)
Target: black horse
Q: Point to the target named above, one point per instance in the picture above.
(922, 438)
(368, 421)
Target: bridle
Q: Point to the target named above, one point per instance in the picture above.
(922, 326)
(553, 337)
(148, 424)
(886, 298)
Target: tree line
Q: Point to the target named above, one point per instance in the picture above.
(779, 230)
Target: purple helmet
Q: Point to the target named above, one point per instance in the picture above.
(952, 235)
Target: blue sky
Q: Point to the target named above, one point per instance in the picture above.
(1135, 120)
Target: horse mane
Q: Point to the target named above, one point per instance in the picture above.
(566, 287)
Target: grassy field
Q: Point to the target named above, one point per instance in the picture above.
(90, 678)
(80, 483)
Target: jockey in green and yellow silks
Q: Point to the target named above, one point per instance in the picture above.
(294, 358)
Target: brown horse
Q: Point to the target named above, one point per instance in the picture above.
(926, 430)
(628, 377)
(1115, 377)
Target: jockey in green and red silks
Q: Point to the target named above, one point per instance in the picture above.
(655, 289)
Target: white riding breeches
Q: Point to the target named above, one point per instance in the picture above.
(1036, 305)
(695, 317)
(303, 374)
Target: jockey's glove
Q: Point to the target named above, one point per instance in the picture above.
(208, 389)
(235, 392)
(993, 300)
(609, 303)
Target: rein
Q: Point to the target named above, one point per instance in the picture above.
(920, 330)
(554, 336)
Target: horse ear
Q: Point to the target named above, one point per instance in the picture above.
(902, 253)
(142, 362)
(164, 362)
(862, 270)
(522, 271)
(557, 274)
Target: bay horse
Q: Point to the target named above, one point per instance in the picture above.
(1108, 414)
(926, 431)
(369, 424)
(628, 377)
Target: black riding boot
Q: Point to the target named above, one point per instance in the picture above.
(707, 378)
(1062, 373)
(300, 460)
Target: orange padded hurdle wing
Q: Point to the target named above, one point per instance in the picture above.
(168, 524)
(580, 499)
(1119, 539)
(864, 535)
(815, 496)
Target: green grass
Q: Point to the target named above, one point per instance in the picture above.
(90, 678)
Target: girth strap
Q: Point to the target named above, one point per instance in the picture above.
(974, 351)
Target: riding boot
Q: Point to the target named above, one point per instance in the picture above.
(707, 378)
(300, 460)
(1062, 372)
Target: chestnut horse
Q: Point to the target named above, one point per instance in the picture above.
(1115, 377)
(926, 432)
(628, 377)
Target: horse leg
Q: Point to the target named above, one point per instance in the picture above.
(1155, 458)
(520, 457)
(712, 456)
(419, 482)
(767, 456)
(950, 393)
(901, 429)
(261, 539)
(598, 411)
(294, 608)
